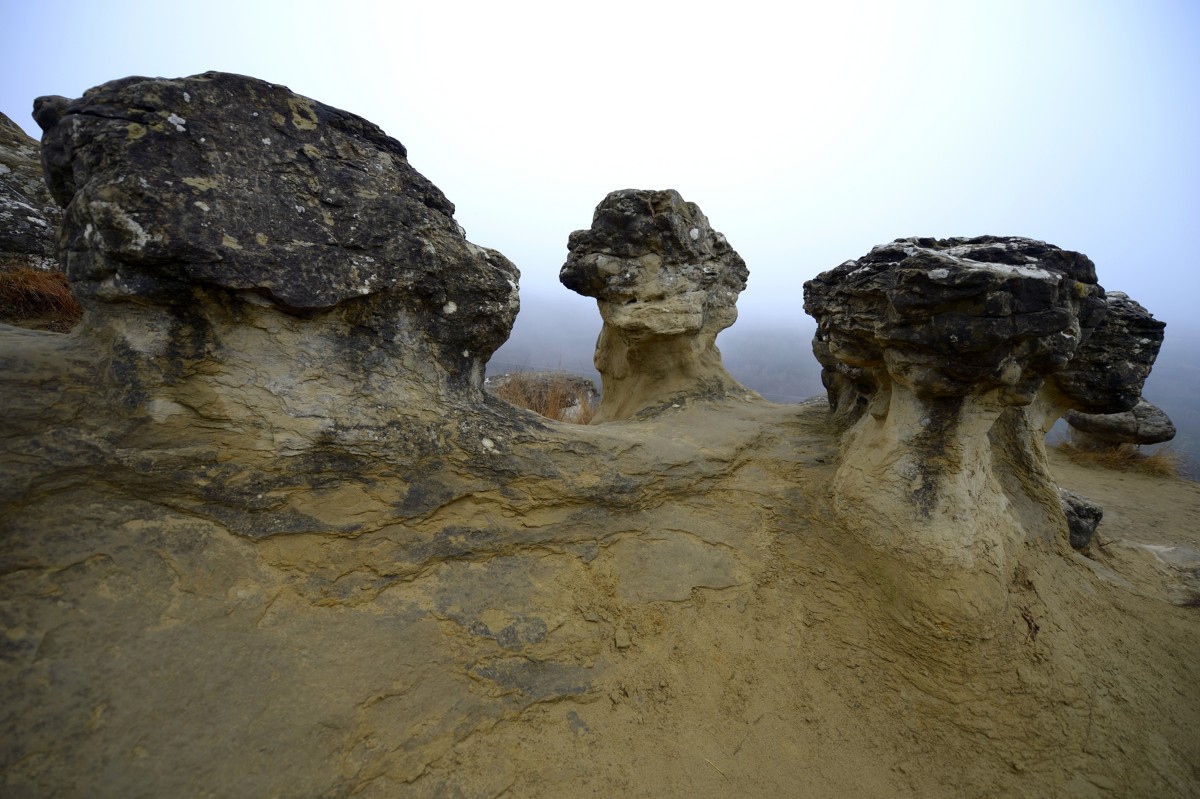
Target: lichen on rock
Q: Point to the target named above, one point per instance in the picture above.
(666, 284)
(211, 217)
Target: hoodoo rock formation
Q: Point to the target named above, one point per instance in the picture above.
(666, 284)
(924, 345)
(262, 532)
(200, 207)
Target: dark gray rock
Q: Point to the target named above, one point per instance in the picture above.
(234, 184)
(29, 217)
(666, 284)
(1111, 366)
(1083, 517)
(951, 317)
(1145, 423)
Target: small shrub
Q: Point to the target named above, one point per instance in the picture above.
(28, 294)
(555, 395)
(1125, 458)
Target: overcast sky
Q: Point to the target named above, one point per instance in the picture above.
(807, 132)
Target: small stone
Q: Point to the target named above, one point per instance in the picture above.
(621, 638)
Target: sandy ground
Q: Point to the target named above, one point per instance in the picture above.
(710, 632)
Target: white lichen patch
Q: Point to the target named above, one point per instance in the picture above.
(694, 233)
(267, 140)
(203, 206)
(187, 98)
(450, 307)
(177, 121)
(230, 242)
(488, 444)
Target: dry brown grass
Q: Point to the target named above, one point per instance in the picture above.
(1125, 458)
(38, 296)
(551, 394)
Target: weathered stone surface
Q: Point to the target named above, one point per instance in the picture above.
(238, 561)
(1145, 423)
(265, 263)
(1111, 366)
(29, 217)
(666, 284)
(929, 349)
(1083, 517)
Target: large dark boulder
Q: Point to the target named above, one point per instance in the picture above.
(237, 185)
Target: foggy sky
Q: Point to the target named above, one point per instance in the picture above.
(805, 135)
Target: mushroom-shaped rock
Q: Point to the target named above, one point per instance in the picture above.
(29, 217)
(666, 284)
(287, 246)
(1145, 423)
(925, 344)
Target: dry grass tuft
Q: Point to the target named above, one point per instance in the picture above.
(555, 395)
(1125, 458)
(35, 295)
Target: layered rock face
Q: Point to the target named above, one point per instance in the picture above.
(1100, 390)
(666, 284)
(215, 216)
(29, 217)
(925, 344)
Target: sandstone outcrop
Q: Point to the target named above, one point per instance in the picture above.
(926, 347)
(666, 284)
(263, 534)
(29, 218)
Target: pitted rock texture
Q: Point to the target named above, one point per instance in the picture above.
(29, 217)
(666, 284)
(1111, 366)
(249, 255)
(930, 349)
(1145, 423)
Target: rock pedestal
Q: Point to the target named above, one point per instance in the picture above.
(249, 255)
(929, 349)
(666, 284)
